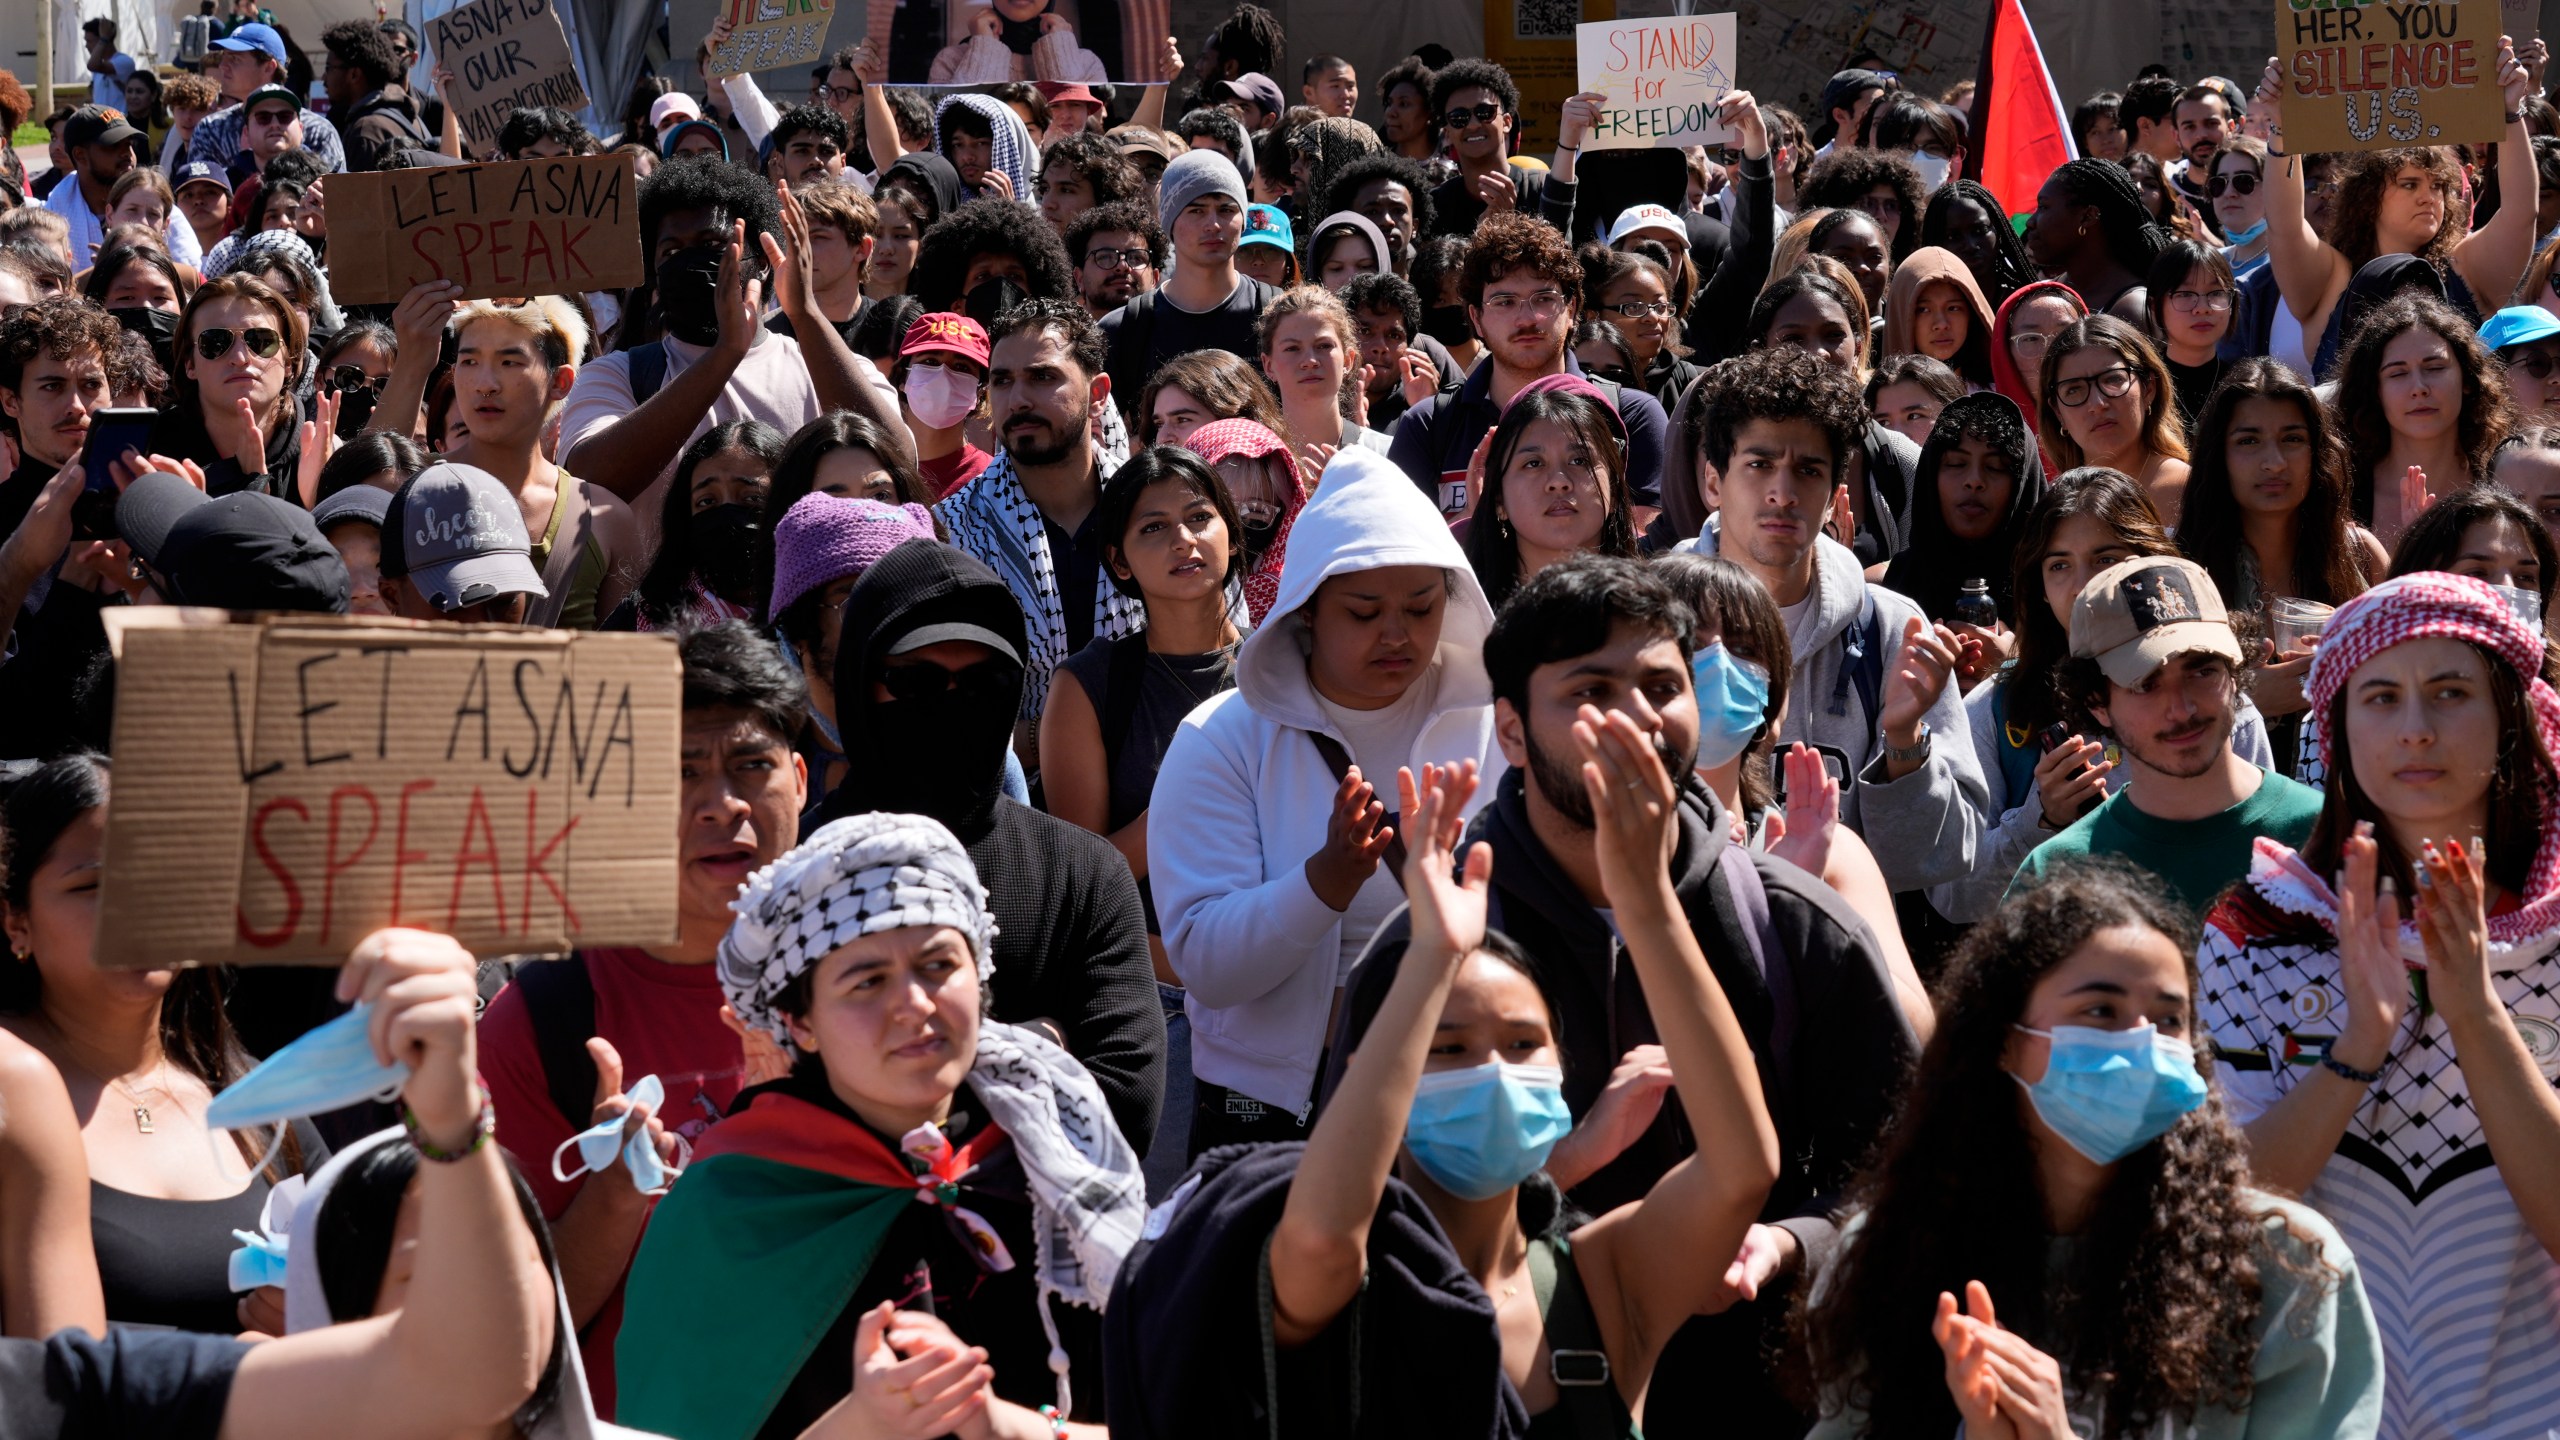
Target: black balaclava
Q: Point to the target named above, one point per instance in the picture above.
(942, 756)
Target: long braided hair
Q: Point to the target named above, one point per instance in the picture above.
(2133, 237)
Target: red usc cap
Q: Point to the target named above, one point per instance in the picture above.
(942, 330)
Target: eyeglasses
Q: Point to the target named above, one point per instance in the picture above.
(2111, 382)
(1639, 309)
(347, 379)
(2211, 301)
(1135, 258)
(1509, 303)
(2028, 342)
(989, 682)
(215, 343)
(839, 95)
(1460, 116)
(2540, 364)
(1881, 207)
(2243, 183)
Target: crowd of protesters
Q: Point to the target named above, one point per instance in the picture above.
(1744, 791)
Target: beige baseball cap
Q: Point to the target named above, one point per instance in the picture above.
(2137, 615)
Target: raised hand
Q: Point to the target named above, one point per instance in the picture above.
(1802, 835)
(319, 442)
(2069, 776)
(787, 254)
(741, 300)
(1447, 914)
(1419, 377)
(870, 66)
(611, 1102)
(1740, 113)
(766, 1059)
(1354, 839)
(2513, 78)
(1496, 192)
(2371, 971)
(1915, 679)
(1766, 1250)
(424, 990)
(252, 454)
(422, 314)
(1843, 524)
(1635, 805)
(1475, 471)
(1313, 457)
(2453, 925)
(2414, 494)
(1580, 114)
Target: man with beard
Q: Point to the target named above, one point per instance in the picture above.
(100, 144)
(1586, 637)
(930, 670)
(1523, 290)
(1118, 251)
(1773, 430)
(2155, 660)
(1029, 515)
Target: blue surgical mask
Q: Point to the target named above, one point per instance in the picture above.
(330, 1068)
(1477, 1132)
(2108, 1093)
(596, 1144)
(1733, 703)
(2243, 237)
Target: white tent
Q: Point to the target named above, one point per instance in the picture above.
(146, 29)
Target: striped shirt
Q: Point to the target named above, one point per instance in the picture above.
(217, 138)
(2467, 1300)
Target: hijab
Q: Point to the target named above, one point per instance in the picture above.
(1932, 569)
(1926, 266)
(2005, 376)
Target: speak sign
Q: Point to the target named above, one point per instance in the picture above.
(519, 227)
(2372, 76)
(504, 54)
(769, 34)
(288, 784)
(1662, 79)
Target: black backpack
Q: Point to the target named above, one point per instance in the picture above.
(560, 1001)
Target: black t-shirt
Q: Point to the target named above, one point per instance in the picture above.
(1077, 559)
(166, 1384)
(780, 324)
(1172, 330)
(168, 1262)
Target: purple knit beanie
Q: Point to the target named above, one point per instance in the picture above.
(825, 538)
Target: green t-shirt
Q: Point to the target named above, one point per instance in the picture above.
(2199, 858)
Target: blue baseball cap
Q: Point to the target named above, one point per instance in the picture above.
(254, 36)
(2519, 325)
(1267, 225)
(199, 170)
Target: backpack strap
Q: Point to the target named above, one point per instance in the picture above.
(1577, 1360)
(1338, 760)
(565, 541)
(1760, 933)
(648, 371)
(1131, 346)
(1863, 661)
(560, 1000)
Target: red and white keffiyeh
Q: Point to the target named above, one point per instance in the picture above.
(1221, 439)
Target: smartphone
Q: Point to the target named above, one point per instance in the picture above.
(2053, 737)
(111, 433)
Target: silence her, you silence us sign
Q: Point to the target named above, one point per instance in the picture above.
(2373, 76)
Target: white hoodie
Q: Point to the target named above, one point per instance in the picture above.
(1243, 797)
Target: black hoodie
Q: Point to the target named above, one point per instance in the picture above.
(1832, 1074)
(1071, 936)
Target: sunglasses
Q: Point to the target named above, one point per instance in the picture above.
(1460, 116)
(2540, 364)
(215, 343)
(989, 682)
(2240, 184)
(347, 379)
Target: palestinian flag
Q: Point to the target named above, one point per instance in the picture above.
(752, 1257)
(2019, 133)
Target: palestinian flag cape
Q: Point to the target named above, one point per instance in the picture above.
(752, 1257)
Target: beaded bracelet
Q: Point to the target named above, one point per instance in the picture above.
(1057, 1422)
(2345, 1071)
(484, 1125)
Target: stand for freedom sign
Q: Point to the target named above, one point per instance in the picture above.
(2369, 77)
(1662, 79)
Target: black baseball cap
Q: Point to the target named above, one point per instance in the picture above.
(1845, 87)
(242, 551)
(95, 125)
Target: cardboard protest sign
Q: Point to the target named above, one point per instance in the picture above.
(519, 227)
(288, 784)
(503, 54)
(2520, 20)
(1663, 79)
(2371, 76)
(770, 34)
(983, 42)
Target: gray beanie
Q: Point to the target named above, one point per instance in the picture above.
(1192, 174)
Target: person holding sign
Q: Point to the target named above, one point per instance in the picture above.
(2404, 201)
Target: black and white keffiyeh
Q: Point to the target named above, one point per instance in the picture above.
(854, 877)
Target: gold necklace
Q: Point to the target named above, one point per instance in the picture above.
(141, 1107)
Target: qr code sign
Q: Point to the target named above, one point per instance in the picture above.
(1545, 19)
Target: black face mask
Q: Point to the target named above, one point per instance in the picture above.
(1258, 536)
(949, 761)
(160, 327)
(355, 408)
(725, 542)
(991, 298)
(1448, 324)
(689, 294)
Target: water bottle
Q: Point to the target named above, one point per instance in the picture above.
(1974, 607)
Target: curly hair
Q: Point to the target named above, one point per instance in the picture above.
(702, 182)
(361, 46)
(1222, 381)
(989, 227)
(2488, 411)
(1492, 549)
(1098, 159)
(1844, 178)
(2355, 218)
(1781, 384)
(1251, 36)
(1343, 193)
(2328, 566)
(530, 125)
(1508, 242)
(1047, 312)
(816, 119)
(1134, 216)
(58, 327)
(1385, 293)
(1473, 74)
(2163, 433)
(2155, 1315)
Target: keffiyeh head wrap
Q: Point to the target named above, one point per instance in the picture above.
(1220, 439)
(2414, 607)
(854, 877)
(1013, 153)
(246, 252)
